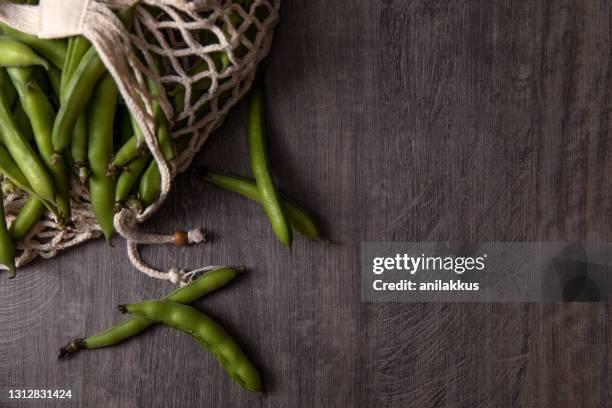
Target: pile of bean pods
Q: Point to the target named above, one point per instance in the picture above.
(62, 118)
(175, 311)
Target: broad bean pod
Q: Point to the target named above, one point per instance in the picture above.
(270, 200)
(7, 249)
(205, 284)
(41, 115)
(100, 150)
(207, 332)
(298, 218)
(24, 155)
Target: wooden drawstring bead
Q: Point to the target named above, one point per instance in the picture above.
(181, 238)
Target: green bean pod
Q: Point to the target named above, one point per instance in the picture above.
(207, 332)
(77, 47)
(138, 133)
(27, 218)
(7, 249)
(298, 218)
(16, 54)
(149, 189)
(12, 172)
(78, 91)
(270, 200)
(23, 121)
(41, 114)
(41, 77)
(52, 50)
(100, 150)
(205, 284)
(164, 138)
(129, 178)
(79, 86)
(24, 155)
(124, 125)
(7, 89)
(126, 153)
(55, 77)
(78, 148)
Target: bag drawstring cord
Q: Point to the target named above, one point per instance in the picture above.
(125, 224)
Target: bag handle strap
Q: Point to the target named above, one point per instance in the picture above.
(50, 19)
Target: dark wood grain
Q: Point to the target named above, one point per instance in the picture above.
(391, 120)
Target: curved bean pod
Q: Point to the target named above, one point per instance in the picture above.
(205, 284)
(299, 218)
(7, 249)
(7, 89)
(137, 132)
(23, 122)
(41, 114)
(124, 125)
(78, 147)
(16, 54)
(42, 79)
(78, 90)
(11, 171)
(52, 50)
(270, 200)
(207, 332)
(24, 155)
(100, 150)
(124, 155)
(129, 178)
(55, 77)
(28, 216)
(163, 135)
(77, 47)
(149, 189)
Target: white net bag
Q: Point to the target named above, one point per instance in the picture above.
(176, 43)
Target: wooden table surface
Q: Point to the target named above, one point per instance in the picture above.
(391, 120)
